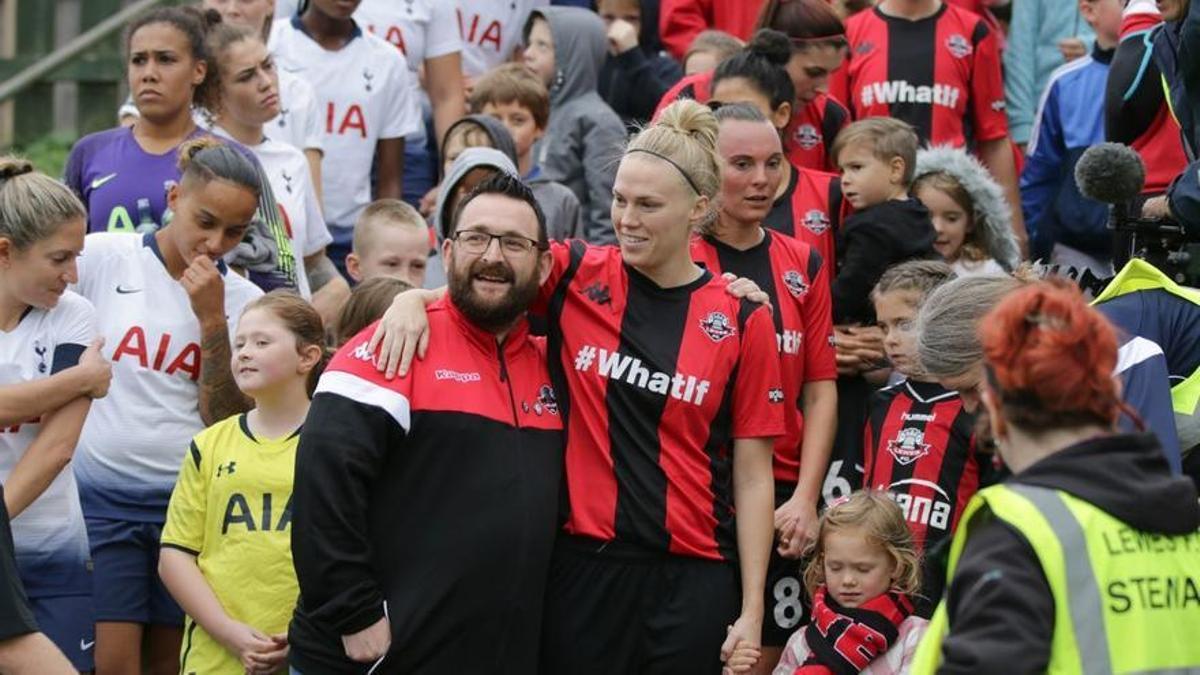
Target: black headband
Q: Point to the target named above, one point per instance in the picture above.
(670, 161)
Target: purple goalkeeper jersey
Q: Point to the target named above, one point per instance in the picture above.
(121, 184)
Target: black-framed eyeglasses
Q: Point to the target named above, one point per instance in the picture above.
(476, 242)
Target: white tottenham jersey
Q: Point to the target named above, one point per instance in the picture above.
(49, 535)
(135, 438)
(287, 169)
(299, 120)
(366, 93)
(488, 31)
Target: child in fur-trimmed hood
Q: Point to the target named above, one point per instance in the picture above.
(972, 218)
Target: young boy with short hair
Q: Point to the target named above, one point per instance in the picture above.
(390, 239)
(515, 97)
(584, 137)
(877, 157)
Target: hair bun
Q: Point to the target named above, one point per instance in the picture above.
(212, 17)
(11, 167)
(771, 45)
(189, 149)
(694, 119)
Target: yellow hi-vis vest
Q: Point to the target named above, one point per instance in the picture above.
(1139, 275)
(1125, 601)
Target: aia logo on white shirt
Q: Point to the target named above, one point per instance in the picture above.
(806, 136)
(959, 46)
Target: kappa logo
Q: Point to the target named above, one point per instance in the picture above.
(546, 402)
(817, 221)
(807, 137)
(959, 46)
(363, 353)
(775, 395)
(795, 283)
(717, 327)
(461, 378)
(998, 105)
(908, 446)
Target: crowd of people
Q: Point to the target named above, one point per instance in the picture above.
(607, 336)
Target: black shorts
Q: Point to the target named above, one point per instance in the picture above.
(785, 604)
(619, 610)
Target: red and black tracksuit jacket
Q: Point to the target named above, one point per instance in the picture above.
(807, 140)
(654, 385)
(811, 210)
(797, 281)
(431, 499)
(940, 74)
(920, 446)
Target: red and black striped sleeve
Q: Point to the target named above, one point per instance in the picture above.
(758, 388)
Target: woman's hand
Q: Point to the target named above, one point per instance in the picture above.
(272, 662)
(741, 287)
(796, 526)
(743, 641)
(859, 349)
(96, 370)
(205, 288)
(403, 331)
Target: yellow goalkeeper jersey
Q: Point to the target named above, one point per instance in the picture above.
(232, 509)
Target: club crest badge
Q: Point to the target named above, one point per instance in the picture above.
(806, 136)
(717, 326)
(959, 46)
(908, 446)
(816, 221)
(546, 403)
(795, 283)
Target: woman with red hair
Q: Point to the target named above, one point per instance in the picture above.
(1085, 560)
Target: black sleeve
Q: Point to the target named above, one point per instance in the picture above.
(864, 255)
(648, 79)
(16, 617)
(342, 450)
(1133, 93)
(1000, 607)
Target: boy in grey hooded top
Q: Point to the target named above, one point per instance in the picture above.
(561, 206)
(585, 137)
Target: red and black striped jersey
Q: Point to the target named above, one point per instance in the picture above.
(797, 281)
(654, 385)
(808, 137)
(940, 74)
(810, 210)
(919, 445)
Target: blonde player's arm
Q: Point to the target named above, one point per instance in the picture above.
(46, 456)
(256, 651)
(28, 400)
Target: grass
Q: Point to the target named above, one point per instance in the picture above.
(48, 153)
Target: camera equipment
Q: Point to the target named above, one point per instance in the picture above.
(1114, 174)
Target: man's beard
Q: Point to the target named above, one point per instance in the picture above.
(492, 315)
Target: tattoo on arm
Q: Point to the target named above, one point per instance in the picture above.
(320, 270)
(219, 394)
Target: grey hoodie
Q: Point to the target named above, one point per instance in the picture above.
(584, 138)
(471, 158)
(561, 206)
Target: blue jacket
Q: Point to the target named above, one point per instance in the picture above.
(1177, 54)
(1031, 55)
(1070, 119)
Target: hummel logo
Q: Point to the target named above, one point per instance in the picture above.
(84, 645)
(97, 182)
(227, 469)
(126, 291)
(598, 293)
